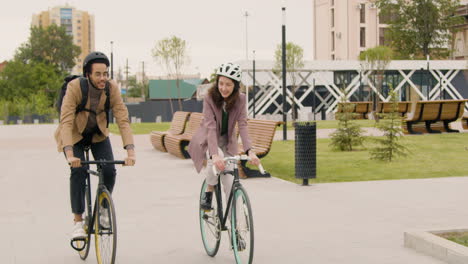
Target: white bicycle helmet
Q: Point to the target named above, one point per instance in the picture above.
(230, 70)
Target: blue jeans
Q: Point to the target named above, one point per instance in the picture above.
(100, 150)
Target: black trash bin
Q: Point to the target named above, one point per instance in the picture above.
(305, 151)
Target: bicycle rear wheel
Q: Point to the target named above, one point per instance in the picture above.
(87, 215)
(242, 227)
(105, 232)
(210, 225)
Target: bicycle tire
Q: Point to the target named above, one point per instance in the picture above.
(210, 225)
(242, 234)
(105, 236)
(87, 215)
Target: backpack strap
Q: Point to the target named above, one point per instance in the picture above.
(107, 104)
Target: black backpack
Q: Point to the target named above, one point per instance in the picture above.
(84, 93)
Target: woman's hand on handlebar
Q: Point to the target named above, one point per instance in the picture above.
(218, 162)
(254, 160)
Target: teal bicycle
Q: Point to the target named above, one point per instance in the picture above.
(241, 228)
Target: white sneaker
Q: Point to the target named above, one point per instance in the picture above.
(78, 231)
(104, 217)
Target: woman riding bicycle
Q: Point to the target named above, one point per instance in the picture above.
(216, 137)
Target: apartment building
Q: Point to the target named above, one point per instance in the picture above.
(78, 24)
(345, 28)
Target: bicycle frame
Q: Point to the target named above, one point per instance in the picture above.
(235, 185)
(101, 187)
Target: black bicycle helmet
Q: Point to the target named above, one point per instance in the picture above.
(94, 57)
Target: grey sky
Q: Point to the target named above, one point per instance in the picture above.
(214, 29)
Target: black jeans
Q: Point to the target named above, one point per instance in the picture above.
(100, 150)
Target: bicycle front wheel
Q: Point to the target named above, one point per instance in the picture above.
(87, 215)
(105, 229)
(242, 235)
(210, 225)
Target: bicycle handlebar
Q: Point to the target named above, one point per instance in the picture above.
(103, 162)
(238, 158)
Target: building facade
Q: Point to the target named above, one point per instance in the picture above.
(78, 24)
(345, 28)
(460, 38)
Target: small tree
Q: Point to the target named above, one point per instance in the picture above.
(294, 62)
(391, 126)
(171, 54)
(349, 134)
(376, 60)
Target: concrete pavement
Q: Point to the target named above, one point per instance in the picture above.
(157, 202)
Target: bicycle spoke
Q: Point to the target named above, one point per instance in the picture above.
(210, 226)
(242, 228)
(105, 229)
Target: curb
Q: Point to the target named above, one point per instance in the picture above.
(429, 243)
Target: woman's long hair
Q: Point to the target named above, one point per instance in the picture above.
(218, 98)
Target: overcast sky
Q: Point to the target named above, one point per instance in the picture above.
(215, 30)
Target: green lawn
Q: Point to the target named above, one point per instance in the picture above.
(142, 128)
(146, 128)
(457, 237)
(432, 156)
(323, 124)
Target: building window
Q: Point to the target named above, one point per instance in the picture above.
(362, 13)
(332, 2)
(387, 17)
(362, 37)
(333, 41)
(382, 40)
(78, 21)
(332, 17)
(333, 56)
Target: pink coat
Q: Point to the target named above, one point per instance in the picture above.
(206, 136)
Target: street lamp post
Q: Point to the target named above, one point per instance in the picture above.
(284, 72)
(246, 37)
(112, 60)
(253, 86)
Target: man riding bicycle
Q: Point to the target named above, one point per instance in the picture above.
(80, 128)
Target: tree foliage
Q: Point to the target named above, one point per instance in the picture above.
(50, 45)
(376, 61)
(171, 53)
(135, 88)
(20, 80)
(420, 27)
(294, 63)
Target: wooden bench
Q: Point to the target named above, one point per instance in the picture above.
(361, 109)
(464, 121)
(176, 144)
(433, 116)
(179, 119)
(386, 107)
(261, 133)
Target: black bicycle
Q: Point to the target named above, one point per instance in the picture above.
(102, 220)
(212, 222)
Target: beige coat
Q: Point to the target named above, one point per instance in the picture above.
(73, 124)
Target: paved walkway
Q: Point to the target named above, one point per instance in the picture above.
(157, 202)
